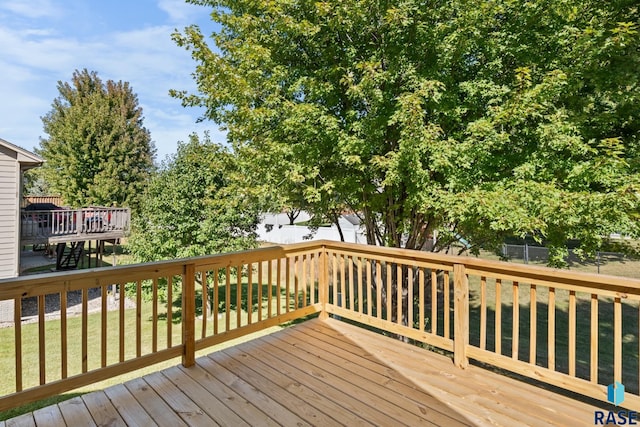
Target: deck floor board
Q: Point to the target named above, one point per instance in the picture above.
(322, 373)
(75, 413)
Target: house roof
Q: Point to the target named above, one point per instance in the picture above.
(26, 158)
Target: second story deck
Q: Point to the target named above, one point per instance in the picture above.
(70, 225)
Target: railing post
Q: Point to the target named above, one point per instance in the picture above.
(460, 316)
(188, 315)
(323, 283)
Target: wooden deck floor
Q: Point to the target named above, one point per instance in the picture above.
(317, 373)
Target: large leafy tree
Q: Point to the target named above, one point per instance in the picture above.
(473, 118)
(194, 206)
(97, 151)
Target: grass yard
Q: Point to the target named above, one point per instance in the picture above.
(611, 264)
(605, 349)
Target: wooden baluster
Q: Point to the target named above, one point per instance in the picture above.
(42, 345)
(551, 330)
(205, 302)
(360, 285)
(17, 326)
(617, 340)
(434, 301)
(103, 325)
(593, 377)
(334, 282)
(260, 291)
(369, 289)
(227, 299)
(138, 318)
(342, 298)
(378, 289)
(121, 291)
(297, 266)
(287, 284)
(312, 278)
(239, 295)
(63, 334)
(216, 299)
(399, 290)
(389, 292)
(447, 306)
(303, 278)
(410, 296)
(169, 311)
(278, 286)
(515, 321)
(270, 288)
(421, 298)
(85, 330)
(483, 312)
(249, 293)
(154, 316)
(533, 324)
(572, 333)
(461, 315)
(189, 315)
(498, 318)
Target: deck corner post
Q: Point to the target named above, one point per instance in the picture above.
(461, 316)
(189, 315)
(323, 283)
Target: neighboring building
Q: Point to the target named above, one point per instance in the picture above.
(13, 162)
(275, 228)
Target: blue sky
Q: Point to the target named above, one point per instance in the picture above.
(44, 41)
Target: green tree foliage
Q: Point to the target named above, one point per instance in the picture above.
(35, 183)
(192, 206)
(471, 117)
(97, 152)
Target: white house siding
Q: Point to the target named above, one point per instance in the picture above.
(9, 224)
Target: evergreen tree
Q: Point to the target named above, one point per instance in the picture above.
(97, 151)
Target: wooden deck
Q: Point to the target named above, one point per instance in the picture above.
(318, 373)
(73, 225)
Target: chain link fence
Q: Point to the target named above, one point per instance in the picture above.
(611, 263)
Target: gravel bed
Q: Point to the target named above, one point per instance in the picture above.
(74, 305)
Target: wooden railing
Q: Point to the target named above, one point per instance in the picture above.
(38, 225)
(576, 331)
(76, 328)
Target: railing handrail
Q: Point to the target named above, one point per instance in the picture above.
(533, 272)
(622, 285)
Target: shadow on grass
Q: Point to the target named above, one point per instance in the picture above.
(225, 304)
(583, 348)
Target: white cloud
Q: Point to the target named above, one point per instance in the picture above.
(179, 11)
(31, 8)
(34, 58)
